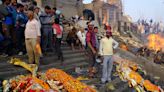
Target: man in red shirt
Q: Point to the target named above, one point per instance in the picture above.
(91, 43)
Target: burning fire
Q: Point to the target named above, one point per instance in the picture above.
(124, 47)
(155, 42)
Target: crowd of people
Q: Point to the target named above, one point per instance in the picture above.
(99, 48)
(24, 26)
(145, 27)
(25, 29)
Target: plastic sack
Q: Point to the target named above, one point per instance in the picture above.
(38, 49)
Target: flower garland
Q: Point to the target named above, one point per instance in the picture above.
(54, 80)
(69, 83)
(127, 72)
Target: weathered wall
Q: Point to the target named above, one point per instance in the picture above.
(51, 3)
(68, 7)
(88, 6)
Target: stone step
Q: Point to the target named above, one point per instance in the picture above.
(65, 48)
(66, 68)
(47, 60)
(73, 55)
(8, 69)
(66, 54)
(70, 51)
(67, 65)
(92, 81)
(5, 66)
(72, 59)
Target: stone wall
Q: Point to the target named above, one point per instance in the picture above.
(88, 6)
(68, 7)
(51, 3)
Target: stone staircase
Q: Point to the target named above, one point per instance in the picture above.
(72, 59)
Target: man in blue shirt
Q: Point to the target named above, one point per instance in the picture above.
(14, 12)
(47, 19)
(21, 20)
(3, 12)
(9, 22)
(7, 18)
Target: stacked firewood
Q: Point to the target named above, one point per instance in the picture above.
(157, 56)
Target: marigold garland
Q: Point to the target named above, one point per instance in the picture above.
(69, 83)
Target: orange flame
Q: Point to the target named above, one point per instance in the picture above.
(124, 47)
(155, 42)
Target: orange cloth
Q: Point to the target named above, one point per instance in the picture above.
(150, 87)
(136, 77)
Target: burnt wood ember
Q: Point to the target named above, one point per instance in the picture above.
(124, 46)
(144, 51)
(159, 57)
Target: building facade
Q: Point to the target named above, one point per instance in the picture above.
(69, 8)
(108, 11)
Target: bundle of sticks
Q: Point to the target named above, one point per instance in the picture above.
(157, 56)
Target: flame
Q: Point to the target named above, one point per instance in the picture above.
(124, 47)
(155, 42)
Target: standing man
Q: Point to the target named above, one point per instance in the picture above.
(21, 20)
(47, 20)
(3, 14)
(14, 7)
(32, 38)
(9, 22)
(58, 32)
(91, 44)
(106, 50)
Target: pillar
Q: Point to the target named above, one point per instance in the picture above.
(114, 16)
(107, 14)
(100, 16)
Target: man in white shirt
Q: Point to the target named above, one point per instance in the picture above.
(32, 38)
(81, 34)
(58, 33)
(106, 50)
